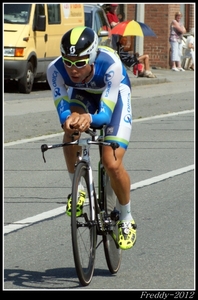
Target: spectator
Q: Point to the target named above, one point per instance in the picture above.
(190, 48)
(121, 17)
(144, 60)
(125, 44)
(112, 16)
(113, 21)
(177, 30)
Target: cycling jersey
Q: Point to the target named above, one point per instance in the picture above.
(107, 96)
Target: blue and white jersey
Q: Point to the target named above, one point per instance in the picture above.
(107, 96)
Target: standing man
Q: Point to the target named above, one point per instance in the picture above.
(113, 21)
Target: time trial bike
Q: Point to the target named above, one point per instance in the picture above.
(100, 215)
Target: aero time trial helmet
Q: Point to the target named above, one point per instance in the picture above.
(80, 41)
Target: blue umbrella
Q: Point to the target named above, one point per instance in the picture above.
(147, 31)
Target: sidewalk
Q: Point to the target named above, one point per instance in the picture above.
(163, 75)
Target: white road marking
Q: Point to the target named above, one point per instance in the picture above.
(161, 177)
(29, 221)
(61, 133)
(61, 210)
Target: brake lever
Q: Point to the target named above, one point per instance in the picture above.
(44, 148)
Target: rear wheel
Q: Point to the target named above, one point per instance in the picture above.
(83, 228)
(113, 253)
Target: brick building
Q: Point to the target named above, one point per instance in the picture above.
(158, 17)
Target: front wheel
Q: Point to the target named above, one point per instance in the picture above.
(83, 228)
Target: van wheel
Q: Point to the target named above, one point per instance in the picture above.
(25, 83)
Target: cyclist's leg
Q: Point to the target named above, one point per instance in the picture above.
(119, 177)
(120, 180)
(119, 130)
(111, 196)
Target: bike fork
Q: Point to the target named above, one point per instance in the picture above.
(92, 193)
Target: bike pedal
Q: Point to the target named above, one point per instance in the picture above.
(114, 215)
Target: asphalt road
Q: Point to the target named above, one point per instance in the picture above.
(160, 161)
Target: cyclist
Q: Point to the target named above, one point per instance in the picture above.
(91, 88)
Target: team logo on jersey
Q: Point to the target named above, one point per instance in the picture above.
(57, 92)
(108, 76)
(54, 77)
(109, 83)
(128, 119)
(62, 105)
(129, 103)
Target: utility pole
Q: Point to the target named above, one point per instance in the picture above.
(139, 16)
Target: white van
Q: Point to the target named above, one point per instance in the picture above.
(32, 35)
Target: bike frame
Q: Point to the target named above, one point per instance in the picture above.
(85, 157)
(98, 220)
(86, 143)
(97, 203)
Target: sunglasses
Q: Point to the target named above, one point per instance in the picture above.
(78, 63)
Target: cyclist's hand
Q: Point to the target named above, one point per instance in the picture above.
(73, 118)
(77, 122)
(81, 123)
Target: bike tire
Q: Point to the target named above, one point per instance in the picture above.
(83, 228)
(113, 253)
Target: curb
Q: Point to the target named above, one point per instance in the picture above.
(147, 81)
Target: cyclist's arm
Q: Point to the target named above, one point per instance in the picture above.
(59, 92)
(109, 96)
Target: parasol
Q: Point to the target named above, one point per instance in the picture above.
(133, 28)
